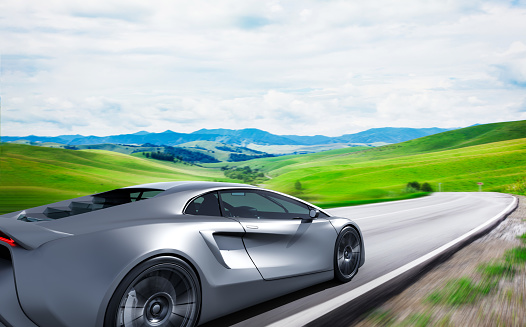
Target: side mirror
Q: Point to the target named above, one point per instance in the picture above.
(314, 213)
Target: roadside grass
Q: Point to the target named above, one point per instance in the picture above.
(523, 236)
(382, 317)
(497, 270)
(417, 320)
(519, 187)
(461, 291)
(464, 290)
(516, 256)
(388, 318)
(444, 321)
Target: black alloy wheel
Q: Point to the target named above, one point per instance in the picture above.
(347, 254)
(160, 292)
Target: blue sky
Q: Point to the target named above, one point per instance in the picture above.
(288, 67)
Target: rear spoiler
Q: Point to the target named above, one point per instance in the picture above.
(29, 236)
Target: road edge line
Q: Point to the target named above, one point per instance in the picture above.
(346, 308)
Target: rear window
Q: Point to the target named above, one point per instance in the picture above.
(97, 202)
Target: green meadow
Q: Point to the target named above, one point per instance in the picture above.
(341, 178)
(32, 175)
(494, 154)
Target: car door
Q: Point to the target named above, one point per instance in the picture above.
(280, 237)
(223, 236)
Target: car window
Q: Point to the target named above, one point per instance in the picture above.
(260, 204)
(143, 195)
(291, 206)
(205, 205)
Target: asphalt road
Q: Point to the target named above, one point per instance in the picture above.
(395, 234)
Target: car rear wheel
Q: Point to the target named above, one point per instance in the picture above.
(160, 292)
(347, 254)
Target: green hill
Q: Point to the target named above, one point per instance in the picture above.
(32, 176)
(494, 154)
(335, 179)
(460, 138)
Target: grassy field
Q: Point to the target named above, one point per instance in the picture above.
(494, 154)
(32, 176)
(274, 163)
(349, 178)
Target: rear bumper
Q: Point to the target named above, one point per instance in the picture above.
(11, 314)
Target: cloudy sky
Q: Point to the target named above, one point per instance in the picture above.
(303, 67)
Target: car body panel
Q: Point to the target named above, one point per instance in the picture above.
(10, 309)
(285, 248)
(66, 270)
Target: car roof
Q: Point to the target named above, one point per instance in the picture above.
(174, 187)
(195, 188)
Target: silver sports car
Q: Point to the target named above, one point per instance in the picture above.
(166, 254)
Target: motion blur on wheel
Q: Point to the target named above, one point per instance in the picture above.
(166, 254)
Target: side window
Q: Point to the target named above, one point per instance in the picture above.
(248, 204)
(293, 207)
(205, 205)
(260, 204)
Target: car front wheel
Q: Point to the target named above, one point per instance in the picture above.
(347, 254)
(160, 292)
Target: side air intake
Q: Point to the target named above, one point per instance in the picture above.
(4, 253)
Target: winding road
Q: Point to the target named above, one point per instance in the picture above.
(398, 236)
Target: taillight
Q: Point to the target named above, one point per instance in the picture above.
(7, 239)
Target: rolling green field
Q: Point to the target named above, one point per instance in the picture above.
(494, 154)
(350, 178)
(32, 176)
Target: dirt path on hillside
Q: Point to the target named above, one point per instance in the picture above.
(505, 305)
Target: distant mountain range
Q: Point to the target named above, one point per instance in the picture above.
(240, 137)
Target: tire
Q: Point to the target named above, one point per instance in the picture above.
(160, 292)
(347, 253)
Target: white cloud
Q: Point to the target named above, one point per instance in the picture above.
(511, 64)
(289, 67)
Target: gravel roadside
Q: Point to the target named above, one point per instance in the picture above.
(498, 300)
